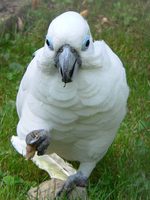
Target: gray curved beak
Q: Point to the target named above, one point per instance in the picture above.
(67, 59)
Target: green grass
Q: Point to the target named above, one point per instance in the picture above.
(124, 173)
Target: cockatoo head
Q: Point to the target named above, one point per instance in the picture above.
(69, 38)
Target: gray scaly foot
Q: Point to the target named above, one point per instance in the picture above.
(40, 139)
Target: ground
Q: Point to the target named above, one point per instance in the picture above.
(124, 172)
(9, 9)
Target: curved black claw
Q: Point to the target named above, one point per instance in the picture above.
(77, 179)
(40, 139)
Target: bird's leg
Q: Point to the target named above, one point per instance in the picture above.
(79, 179)
(40, 139)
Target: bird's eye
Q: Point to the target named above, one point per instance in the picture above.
(49, 43)
(86, 43)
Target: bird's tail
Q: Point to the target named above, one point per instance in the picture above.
(19, 144)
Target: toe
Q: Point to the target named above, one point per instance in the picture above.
(39, 139)
(77, 179)
(33, 137)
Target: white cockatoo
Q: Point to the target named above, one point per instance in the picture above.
(72, 97)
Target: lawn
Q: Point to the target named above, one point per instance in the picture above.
(124, 173)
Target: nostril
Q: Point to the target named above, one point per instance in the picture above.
(60, 50)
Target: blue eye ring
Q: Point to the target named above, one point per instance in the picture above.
(86, 43)
(49, 43)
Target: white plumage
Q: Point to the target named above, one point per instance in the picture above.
(83, 117)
